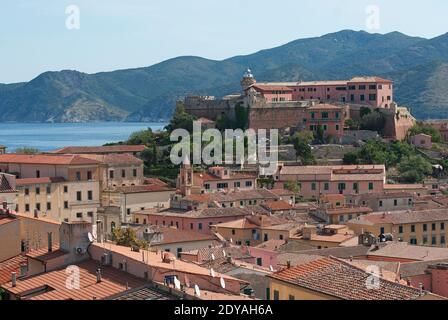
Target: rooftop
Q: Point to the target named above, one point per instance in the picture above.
(52, 285)
(403, 217)
(115, 158)
(102, 149)
(47, 159)
(44, 180)
(336, 278)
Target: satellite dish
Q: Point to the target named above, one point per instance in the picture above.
(90, 236)
(176, 283)
(224, 253)
(222, 282)
(271, 268)
(212, 273)
(197, 292)
(213, 256)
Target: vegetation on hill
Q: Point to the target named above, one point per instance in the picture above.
(419, 67)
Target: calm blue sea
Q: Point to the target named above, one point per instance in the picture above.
(49, 136)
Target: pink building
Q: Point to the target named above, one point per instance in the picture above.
(315, 181)
(422, 141)
(372, 91)
(330, 117)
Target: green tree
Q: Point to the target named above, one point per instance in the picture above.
(292, 186)
(145, 137)
(420, 128)
(414, 169)
(320, 134)
(301, 142)
(128, 238)
(27, 150)
(374, 121)
(351, 158)
(181, 120)
(242, 116)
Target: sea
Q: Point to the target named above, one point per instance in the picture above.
(50, 136)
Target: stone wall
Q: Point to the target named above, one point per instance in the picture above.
(277, 116)
(210, 108)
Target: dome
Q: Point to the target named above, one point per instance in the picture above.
(248, 74)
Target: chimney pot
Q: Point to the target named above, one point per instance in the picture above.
(13, 279)
(98, 275)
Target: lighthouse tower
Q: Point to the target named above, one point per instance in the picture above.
(248, 80)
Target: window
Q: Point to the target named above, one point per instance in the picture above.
(37, 174)
(123, 173)
(400, 229)
(381, 203)
(48, 205)
(89, 175)
(134, 172)
(433, 241)
(382, 230)
(79, 196)
(37, 190)
(27, 191)
(425, 239)
(237, 184)
(248, 183)
(442, 240)
(207, 186)
(326, 186)
(395, 202)
(442, 226)
(324, 115)
(179, 251)
(48, 189)
(128, 211)
(79, 215)
(27, 207)
(413, 241)
(111, 174)
(372, 87)
(200, 226)
(337, 127)
(90, 195)
(370, 185)
(65, 204)
(259, 261)
(266, 237)
(78, 175)
(425, 227)
(313, 186)
(223, 185)
(65, 189)
(276, 295)
(372, 97)
(362, 87)
(291, 297)
(233, 232)
(191, 226)
(90, 214)
(362, 97)
(412, 228)
(38, 206)
(433, 227)
(137, 220)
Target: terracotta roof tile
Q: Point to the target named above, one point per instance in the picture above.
(342, 280)
(102, 149)
(11, 265)
(46, 159)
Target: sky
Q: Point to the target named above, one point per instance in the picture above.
(44, 35)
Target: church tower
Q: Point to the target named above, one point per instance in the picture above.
(248, 80)
(186, 177)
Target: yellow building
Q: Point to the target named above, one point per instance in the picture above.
(335, 279)
(424, 227)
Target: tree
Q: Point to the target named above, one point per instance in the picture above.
(352, 124)
(145, 137)
(293, 187)
(181, 120)
(128, 238)
(301, 142)
(414, 169)
(27, 150)
(242, 116)
(420, 128)
(351, 158)
(320, 134)
(374, 121)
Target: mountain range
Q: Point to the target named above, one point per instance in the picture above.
(418, 66)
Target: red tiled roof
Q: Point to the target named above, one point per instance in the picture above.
(44, 180)
(9, 266)
(342, 280)
(113, 282)
(42, 254)
(171, 235)
(142, 189)
(46, 159)
(277, 206)
(103, 149)
(114, 158)
(272, 87)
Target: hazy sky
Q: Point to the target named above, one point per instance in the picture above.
(117, 34)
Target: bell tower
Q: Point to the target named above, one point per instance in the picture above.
(248, 80)
(186, 177)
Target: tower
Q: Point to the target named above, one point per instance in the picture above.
(248, 80)
(186, 177)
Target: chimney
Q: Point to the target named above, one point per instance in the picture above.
(288, 264)
(98, 275)
(13, 279)
(421, 288)
(50, 242)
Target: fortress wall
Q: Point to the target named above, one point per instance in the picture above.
(276, 117)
